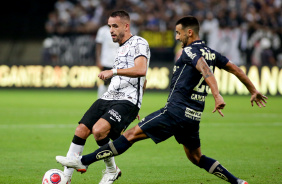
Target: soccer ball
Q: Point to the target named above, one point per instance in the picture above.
(54, 176)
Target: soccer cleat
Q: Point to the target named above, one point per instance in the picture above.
(241, 181)
(109, 177)
(69, 181)
(72, 162)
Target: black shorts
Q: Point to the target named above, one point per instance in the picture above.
(119, 113)
(161, 125)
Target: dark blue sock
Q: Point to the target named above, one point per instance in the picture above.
(214, 167)
(103, 141)
(115, 148)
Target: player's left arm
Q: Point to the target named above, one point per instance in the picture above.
(256, 95)
(207, 73)
(138, 70)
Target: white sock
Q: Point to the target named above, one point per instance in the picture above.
(110, 163)
(74, 148)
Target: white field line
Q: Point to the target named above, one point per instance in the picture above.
(257, 124)
(213, 124)
(39, 126)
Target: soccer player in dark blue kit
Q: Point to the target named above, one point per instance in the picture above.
(191, 80)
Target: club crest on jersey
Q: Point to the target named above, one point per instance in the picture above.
(175, 68)
(124, 50)
(189, 52)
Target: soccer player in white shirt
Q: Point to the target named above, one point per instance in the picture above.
(111, 114)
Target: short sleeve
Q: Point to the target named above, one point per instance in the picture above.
(191, 56)
(221, 60)
(141, 48)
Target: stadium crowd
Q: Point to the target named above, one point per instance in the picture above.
(256, 24)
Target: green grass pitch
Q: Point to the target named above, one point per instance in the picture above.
(37, 125)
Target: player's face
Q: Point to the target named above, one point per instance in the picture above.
(181, 35)
(117, 29)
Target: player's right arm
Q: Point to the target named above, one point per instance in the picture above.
(207, 73)
(138, 70)
(256, 95)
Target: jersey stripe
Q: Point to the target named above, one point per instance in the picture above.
(176, 82)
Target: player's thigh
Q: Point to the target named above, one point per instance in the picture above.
(94, 113)
(159, 126)
(188, 134)
(119, 115)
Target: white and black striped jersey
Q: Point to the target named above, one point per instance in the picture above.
(128, 88)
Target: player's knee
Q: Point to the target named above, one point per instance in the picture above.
(130, 134)
(82, 131)
(99, 133)
(134, 134)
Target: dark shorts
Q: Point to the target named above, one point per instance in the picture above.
(161, 125)
(119, 113)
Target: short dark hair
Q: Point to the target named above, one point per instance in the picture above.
(121, 13)
(191, 22)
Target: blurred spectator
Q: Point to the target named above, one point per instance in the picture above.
(267, 55)
(244, 19)
(209, 26)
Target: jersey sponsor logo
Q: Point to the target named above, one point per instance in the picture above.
(207, 54)
(192, 114)
(189, 52)
(198, 97)
(115, 114)
(104, 154)
(114, 95)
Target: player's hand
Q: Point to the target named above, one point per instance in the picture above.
(106, 74)
(138, 117)
(259, 99)
(219, 104)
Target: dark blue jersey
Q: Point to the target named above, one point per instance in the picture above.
(188, 88)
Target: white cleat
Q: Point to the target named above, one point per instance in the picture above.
(110, 177)
(72, 162)
(69, 181)
(241, 181)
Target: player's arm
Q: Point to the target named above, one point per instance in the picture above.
(138, 70)
(207, 73)
(256, 95)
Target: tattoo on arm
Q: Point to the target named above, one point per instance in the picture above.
(204, 68)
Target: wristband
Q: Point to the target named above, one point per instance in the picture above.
(114, 72)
